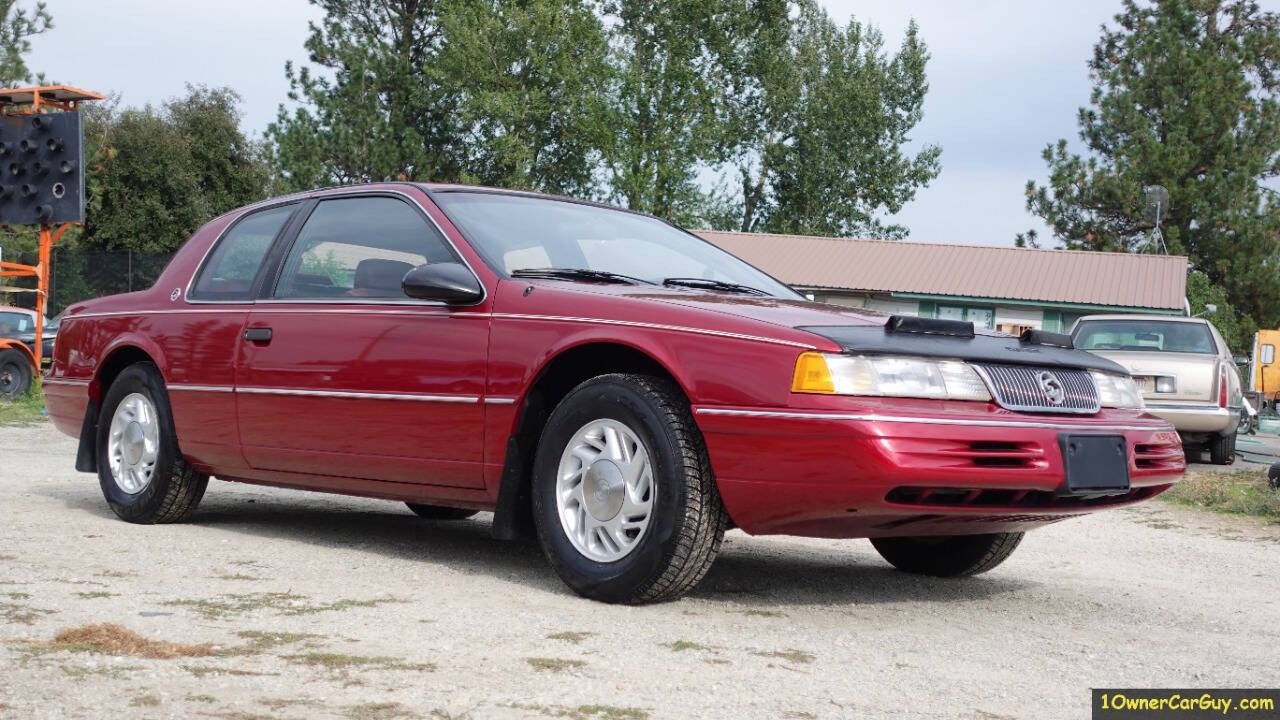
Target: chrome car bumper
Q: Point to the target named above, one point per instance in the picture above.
(1197, 417)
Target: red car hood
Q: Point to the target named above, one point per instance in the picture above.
(776, 311)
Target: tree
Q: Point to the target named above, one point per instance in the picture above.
(155, 175)
(374, 112)
(530, 79)
(17, 27)
(1185, 96)
(667, 111)
(1236, 329)
(826, 116)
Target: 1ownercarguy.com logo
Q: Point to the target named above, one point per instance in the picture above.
(1185, 704)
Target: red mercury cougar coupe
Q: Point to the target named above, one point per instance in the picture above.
(597, 376)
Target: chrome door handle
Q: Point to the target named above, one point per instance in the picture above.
(258, 334)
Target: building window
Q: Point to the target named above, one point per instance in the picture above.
(980, 317)
(1268, 354)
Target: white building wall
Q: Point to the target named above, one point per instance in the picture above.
(1031, 317)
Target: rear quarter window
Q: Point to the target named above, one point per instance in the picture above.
(228, 273)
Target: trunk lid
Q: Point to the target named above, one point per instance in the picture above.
(1195, 374)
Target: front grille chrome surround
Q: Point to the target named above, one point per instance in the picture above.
(1020, 388)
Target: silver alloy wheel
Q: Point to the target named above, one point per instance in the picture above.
(605, 490)
(133, 443)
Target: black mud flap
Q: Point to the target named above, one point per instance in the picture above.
(87, 453)
(513, 517)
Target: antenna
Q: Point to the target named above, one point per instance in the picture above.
(1156, 206)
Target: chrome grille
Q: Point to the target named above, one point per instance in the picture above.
(1023, 388)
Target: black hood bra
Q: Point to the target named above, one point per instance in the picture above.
(956, 340)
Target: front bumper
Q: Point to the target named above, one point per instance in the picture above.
(1197, 417)
(916, 467)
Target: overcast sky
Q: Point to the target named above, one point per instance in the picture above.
(1005, 79)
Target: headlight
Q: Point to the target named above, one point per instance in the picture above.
(1117, 391)
(832, 374)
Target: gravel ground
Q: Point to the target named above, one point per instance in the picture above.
(323, 606)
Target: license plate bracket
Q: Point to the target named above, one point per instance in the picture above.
(1094, 464)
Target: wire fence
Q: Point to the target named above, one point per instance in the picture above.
(77, 275)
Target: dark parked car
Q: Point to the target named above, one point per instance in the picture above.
(622, 387)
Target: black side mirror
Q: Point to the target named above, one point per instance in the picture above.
(452, 283)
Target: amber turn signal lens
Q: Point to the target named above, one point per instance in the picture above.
(812, 375)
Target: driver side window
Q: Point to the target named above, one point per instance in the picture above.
(359, 247)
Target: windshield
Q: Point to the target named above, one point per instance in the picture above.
(16, 323)
(515, 232)
(1144, 335)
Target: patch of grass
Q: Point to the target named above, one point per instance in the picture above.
(236, 604)
(799, 657)
(18, 596)
(203, 670)
(20, 614)
(543, 664)
(26, 410)
(111, 639)
(340, 662)
(282, 703)
(764, 613)
(570, 636)
(146, 700)
(260, 641)
(79, 673)
(1243, 493)
(378, 711)
(201, 698)
(235, 576)
(682, 645)
(284, 603)
(95, 594)
(587, 712)
(238, 715)
(116, 574)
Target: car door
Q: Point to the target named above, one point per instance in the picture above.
(341, 374)
(201, 336)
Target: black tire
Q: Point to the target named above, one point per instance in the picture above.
(175, 489)
(948, 556)
(439, 512)
(688, 520)
(1222, 449)
(15, 374)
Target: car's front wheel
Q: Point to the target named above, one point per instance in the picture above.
(624, 500)
(948, 555)
(143, 475)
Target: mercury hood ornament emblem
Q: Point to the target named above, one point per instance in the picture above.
(1052, 387)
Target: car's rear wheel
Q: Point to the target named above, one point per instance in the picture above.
(440, 512)
(1222, 449)
(948, 555)
(15, 374)
(624, 499)
(143, 475)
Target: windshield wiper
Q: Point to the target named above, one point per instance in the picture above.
(708, 284)
(577, 274)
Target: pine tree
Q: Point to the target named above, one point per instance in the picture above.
(1185, 97)
(17, 27)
